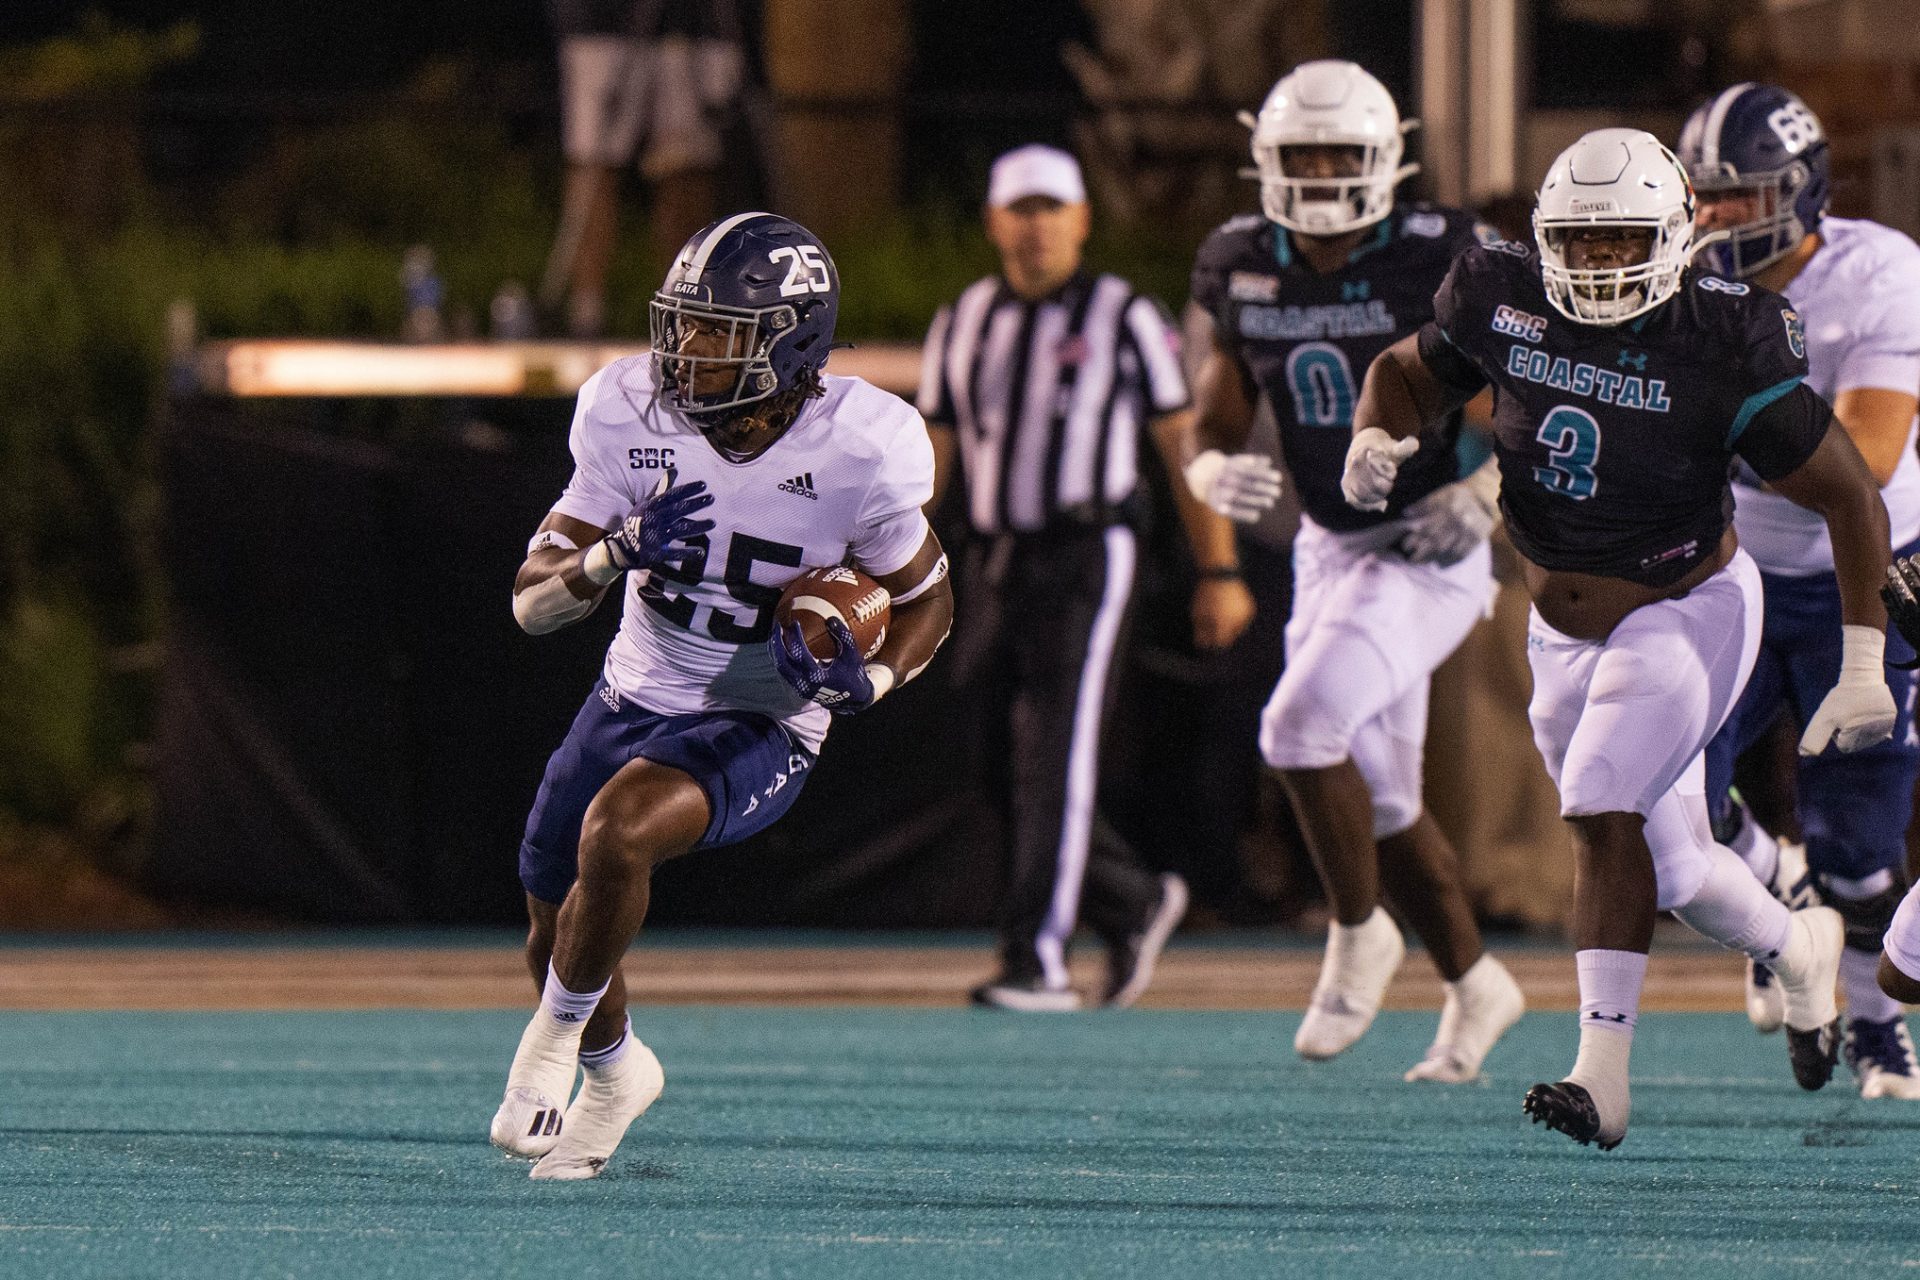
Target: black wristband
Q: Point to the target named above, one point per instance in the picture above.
(1219, 573)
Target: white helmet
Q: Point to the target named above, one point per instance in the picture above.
(1328, 103)
(1614, 178)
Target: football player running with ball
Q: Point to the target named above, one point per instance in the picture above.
(705, 720)
(1292, 304)
(1626, 386)
(1759, 164)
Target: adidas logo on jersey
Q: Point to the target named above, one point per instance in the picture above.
(801, 484)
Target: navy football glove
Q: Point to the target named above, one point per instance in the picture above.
(840, 684)
(655, 535)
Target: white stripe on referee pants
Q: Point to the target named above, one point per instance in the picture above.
(1083, 756)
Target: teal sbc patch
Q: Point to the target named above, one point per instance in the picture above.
(1796, 336)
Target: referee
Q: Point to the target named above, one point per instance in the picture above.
(1046, 375)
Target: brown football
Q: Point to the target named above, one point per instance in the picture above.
(843, 592)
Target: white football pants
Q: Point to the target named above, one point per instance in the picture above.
(1367, 631)
(1622, 723)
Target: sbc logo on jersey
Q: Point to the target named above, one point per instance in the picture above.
(1518, 324)
(1251, 286)
(650, 459)
(1796, 336)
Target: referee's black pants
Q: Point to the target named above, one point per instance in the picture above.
(1042, 619)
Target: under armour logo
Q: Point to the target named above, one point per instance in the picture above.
(1638, 359)
(1597, 1016)
(1355, 290)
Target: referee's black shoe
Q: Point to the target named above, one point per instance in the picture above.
(1130, 961)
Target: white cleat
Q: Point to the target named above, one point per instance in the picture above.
(1808, 970)
(1882, 1058)
(609, 1101)
(531, 1117)
(1479, 1009)
(1360, 962)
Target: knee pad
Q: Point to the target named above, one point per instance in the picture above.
(1391, 766)
(1303, 726)
(1682, 849)
(1867, 918)
(1290, 738)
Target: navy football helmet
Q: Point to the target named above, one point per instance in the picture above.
(1759, 138)
(746, 312)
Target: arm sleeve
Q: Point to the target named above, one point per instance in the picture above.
(597, 493)
(891, 527)
(1885, 347)
(1459, 318)
(1158, 341)
(935, 400)
(1446, 361)
(1781, 434)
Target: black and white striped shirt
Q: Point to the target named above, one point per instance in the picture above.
(1048, 398)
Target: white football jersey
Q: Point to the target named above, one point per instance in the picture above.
(1859, 300)
(845, 484)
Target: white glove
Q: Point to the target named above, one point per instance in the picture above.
(1446, 525)
(1373, 460)
(1241, 487)
(1858, 711)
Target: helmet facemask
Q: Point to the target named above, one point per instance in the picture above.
(1775, 229)
(1328, 206)
(730, 362)
(1613, 295)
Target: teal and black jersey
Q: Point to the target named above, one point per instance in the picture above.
(1304, 340)
(1616, 443)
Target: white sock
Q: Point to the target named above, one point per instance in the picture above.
(1610, 983)
(1859, 978)
(601, 1059)
(568, 1009)
(1736, 910)
(1755, 847)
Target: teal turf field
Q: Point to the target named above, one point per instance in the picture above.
(841, 1144)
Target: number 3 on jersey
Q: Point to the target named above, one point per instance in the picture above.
(1572, 438)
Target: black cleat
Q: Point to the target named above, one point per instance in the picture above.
(1567, 1108)
(1813, 1054)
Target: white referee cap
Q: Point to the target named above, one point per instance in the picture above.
(1035, 171)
